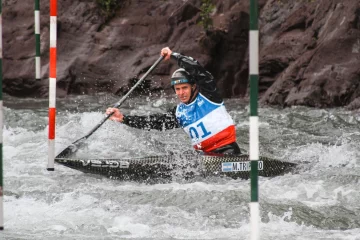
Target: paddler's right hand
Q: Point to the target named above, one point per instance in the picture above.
(117, 116)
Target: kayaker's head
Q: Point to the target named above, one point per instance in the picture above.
(184, 85)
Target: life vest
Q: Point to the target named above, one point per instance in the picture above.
(208, 124)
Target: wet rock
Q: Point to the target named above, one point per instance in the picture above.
(309, 50)
(318, 48)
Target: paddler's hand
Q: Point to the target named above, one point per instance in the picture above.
(117, 116)
(166, 53)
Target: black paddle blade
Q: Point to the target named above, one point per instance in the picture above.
(67, 152)
(70, 150)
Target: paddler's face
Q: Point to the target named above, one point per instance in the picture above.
(183, 91)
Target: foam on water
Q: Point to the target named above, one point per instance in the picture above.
(318, 201)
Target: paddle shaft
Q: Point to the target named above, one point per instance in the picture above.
(117, 105)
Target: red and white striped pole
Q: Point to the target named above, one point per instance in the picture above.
(52, 84)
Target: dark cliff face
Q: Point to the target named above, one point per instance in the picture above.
(309, 51)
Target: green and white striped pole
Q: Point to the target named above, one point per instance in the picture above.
(254, 119)
(1, 131)
(37, 40)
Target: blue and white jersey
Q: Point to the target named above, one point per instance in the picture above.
(208, 124)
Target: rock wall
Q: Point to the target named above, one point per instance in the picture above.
(309, 50)
(310, 53)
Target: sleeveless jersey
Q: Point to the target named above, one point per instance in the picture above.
(208, 124)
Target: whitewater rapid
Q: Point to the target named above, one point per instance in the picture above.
(319, 201)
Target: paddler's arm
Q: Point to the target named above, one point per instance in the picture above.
(204, 80)
(160, 122)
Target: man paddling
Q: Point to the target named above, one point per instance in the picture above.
(201, 111)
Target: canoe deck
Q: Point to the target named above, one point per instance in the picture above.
(184, 166)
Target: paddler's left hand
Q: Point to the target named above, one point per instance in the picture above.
(166, 53)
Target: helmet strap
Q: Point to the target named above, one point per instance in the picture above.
(194, 91)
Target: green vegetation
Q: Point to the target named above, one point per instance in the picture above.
(109, 6)
(284, 1)
(206, 9)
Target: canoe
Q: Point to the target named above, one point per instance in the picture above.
(168, 167)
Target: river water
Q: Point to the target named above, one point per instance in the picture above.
(319, 201)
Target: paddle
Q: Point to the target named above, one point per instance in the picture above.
(74, 146)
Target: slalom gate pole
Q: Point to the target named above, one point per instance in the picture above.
(52, 85)
(37, 41)
(1, 130)
(254, 119)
